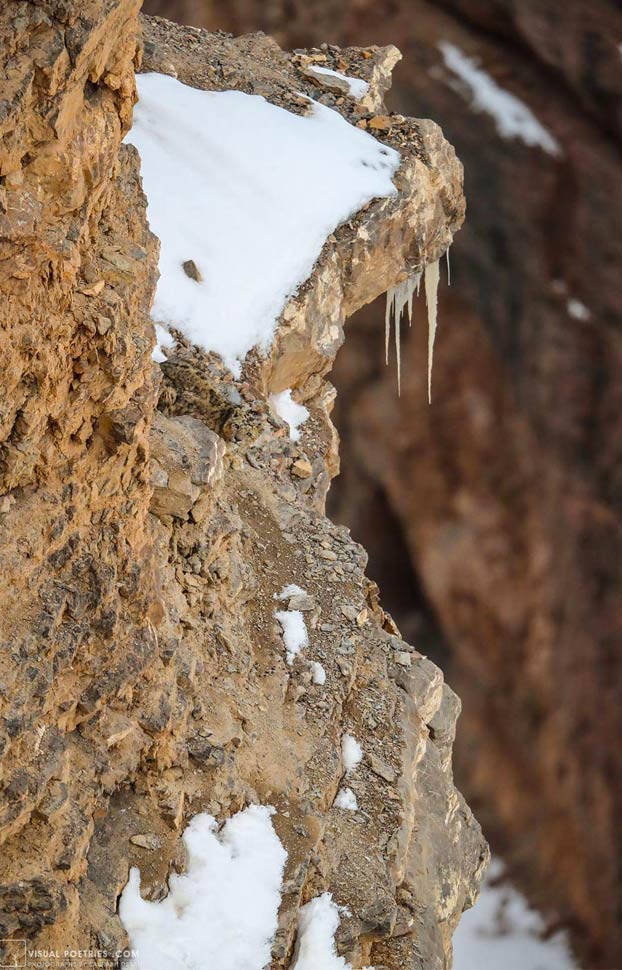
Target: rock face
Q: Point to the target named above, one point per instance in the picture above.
(506, 493)
(148, 517)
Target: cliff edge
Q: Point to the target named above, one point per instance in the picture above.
(153, 516)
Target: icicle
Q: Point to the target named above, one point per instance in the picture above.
(431, 296)
(398, 298)
(397, 354)
(387, 324)
(448, 266)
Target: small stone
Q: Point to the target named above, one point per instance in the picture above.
(103, 325)
(345, 668)
(328, 554)
(13, 180)
(192, 270)
(167, 67)
(5, 503)
(403, 658)
(302, 469)
(380, 122)
(146, 841)
(381, 768)
(302, 602)
(95, 289)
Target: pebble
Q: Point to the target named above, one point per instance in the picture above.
(302, 469)
(381, 768)
(192, 270)
(380, 122)
(146, 841)
(302, 602)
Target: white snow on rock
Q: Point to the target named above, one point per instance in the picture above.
(351, 752)
(577, 310)
(163, 340)
(512, 117)
(221, 913)
(290, 411)
(295, 636)
(502, 931)
(291, 590)
(346, 799)
(318, 673)
(357, 88)
(317, 924)
(249, 192)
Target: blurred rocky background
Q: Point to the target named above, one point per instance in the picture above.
(492, 518)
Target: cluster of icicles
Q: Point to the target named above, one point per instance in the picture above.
(399, 298)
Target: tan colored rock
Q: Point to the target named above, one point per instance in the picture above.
(145, 681)
(186, 460)
(302, 469)
(147, 841)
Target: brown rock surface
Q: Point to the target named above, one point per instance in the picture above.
(504, 498)
(143, 676)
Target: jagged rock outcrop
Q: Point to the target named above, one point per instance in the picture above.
(506, 493)
(143, 677)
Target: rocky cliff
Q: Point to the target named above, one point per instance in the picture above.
(496, 512)
(150, 514)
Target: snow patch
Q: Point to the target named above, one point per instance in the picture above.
(318, 674)
(317, 924)
(346, 799)
(222, 912)
(291, 590)
(163, 340)
(502, 931)
(512, 117)
(577, 310)
(357, 87)
(351, 752)
(295, 636)
(249, 192)
(290, 411)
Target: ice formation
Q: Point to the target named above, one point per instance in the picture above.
(399, 297)
(431, 299)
